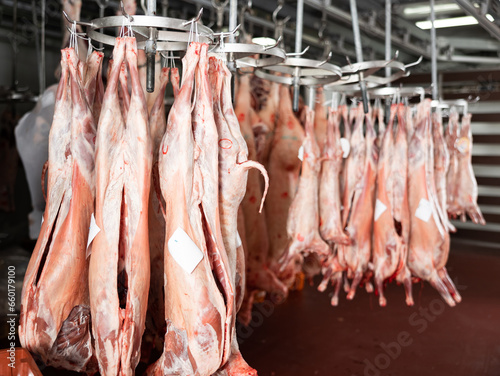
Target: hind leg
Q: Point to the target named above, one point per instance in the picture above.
(337, 281)
(436, 282)
(379, 284)
(443, 274)
(354, 285)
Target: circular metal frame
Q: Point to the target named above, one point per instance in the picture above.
(241, 53)
(351, 82)
(175, 39)
(305, 72)
(370, 67)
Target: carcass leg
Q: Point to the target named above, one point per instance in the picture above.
(379, 283)
(443, 274)
(358, 275)
(438, 284)
(337, 281)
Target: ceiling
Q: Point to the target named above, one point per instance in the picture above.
(459, 48)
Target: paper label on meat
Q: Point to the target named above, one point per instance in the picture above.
(184, 251)
(424, 210)
(93, 230)
(301, 153)
(380, 208)
(462, 145)
(239, 243)
(346, 147)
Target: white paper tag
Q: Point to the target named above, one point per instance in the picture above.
(93, 230)
(346, 147)
(239, 243)
(424, 210)
(380, 208)
(184, 251)
(301, 153)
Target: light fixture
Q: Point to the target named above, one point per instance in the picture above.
(264, 41)
(490, 17)
(447, 22)
(426, 9)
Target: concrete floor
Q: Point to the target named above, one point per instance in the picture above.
(306, 336)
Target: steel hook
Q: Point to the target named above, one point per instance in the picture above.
(298, 53)
(196, 19)
(326, 60)
(267, 48)
(125, 14)
(82, 23)
(415, 63)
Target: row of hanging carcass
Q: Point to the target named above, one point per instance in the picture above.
(367, 205)
(177, 246)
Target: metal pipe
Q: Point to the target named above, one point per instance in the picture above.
(298, 48)
(151, 7)
(359, 50)
(433, 54)
(37, 44)
(42, 48)
(388, 31)
(486, 24)
(233, 18)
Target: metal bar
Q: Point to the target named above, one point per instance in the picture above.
(298, 48)
(434, 77)
(233, 18)
(359, 50)
(486, 24)
(14, 46)
(151, 8)
(388, 7)
(37, 43)
(42, 49)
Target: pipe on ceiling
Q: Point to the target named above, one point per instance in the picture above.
(486, 24)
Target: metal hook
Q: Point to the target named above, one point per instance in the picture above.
(81, 35)
(281, 3)
(196, 19)
(125, 14)
(220, 6)
(273, 45)
(298, 53)
(77, 22)
(415, 63)
(326, 60)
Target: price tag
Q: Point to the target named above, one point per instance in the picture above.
(301, 153)
(184, 251)
(424, 210)
(93, 230)
(380, 208)
(346, 147)
(239, 243)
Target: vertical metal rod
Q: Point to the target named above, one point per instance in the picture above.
(14, 46)
(42, 48)
(433, 55)
(388, 36)
(151, 7)
(233, 18)
(298, 49)
(37, 43)
(359, 50)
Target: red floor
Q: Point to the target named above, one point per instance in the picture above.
(306, 336)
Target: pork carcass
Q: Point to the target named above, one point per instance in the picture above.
(303, 216)
(55, 313)
(233, 171)
(441, 166)
(155, 318)
(360, 220)
(284, 168)
(119, 264)
(258, 274)
(467, 185)
(391, 210)
(195, 310)
(330, 222)
(429, 238)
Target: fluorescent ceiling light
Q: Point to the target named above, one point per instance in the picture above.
(426, 9)
(490, 18)
(447, 22)
(264, 41)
